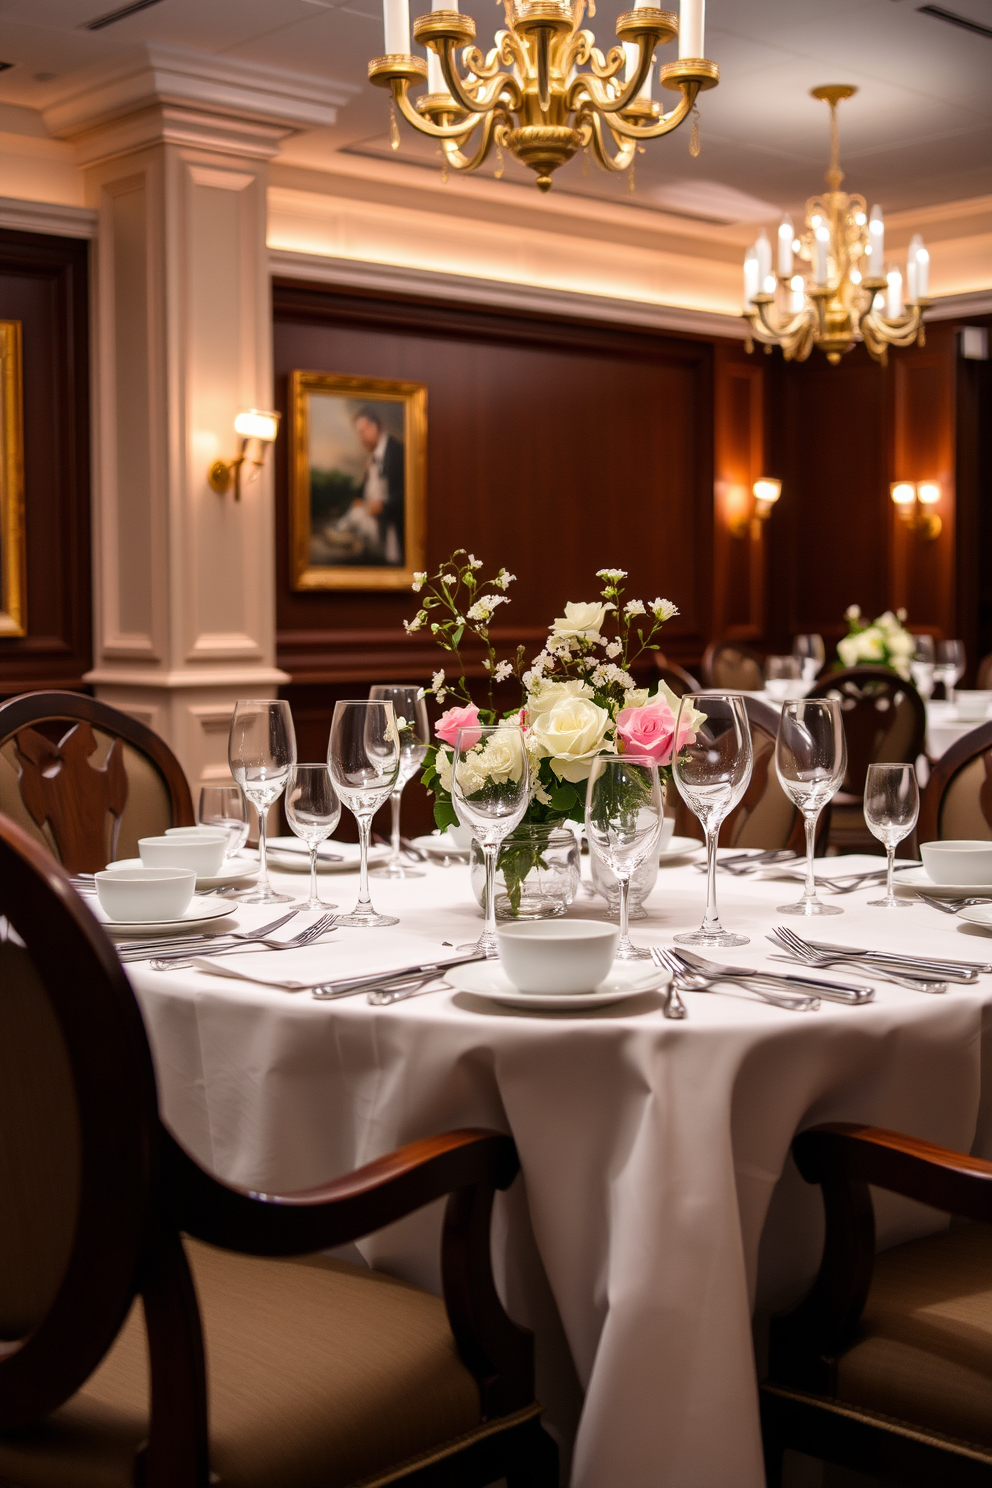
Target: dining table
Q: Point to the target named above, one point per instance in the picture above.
(657, 1220)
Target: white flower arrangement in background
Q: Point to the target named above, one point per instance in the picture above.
(883, 642)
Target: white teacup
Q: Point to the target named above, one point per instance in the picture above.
(145, 894)
(557, 957)
(461, 836)
(973, 703)
(667, 833)
(203, 851)
(953, 863)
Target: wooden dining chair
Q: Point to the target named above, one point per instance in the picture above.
(727, 664)
(765, 817)
(885, 720)
(886, 1366)
(674, 676)
(85, 779)
(159, 1327)
(957, 802)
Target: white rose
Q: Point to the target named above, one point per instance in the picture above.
(902, 644)
(571, 733)
(546, 694)
(501, 758)
(581, 620)
(444, 757)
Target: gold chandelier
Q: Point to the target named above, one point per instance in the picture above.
(528, 95)
(846, 294)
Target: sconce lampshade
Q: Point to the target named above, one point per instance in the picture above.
(256, 423)
(903, 493)
(928, 492)
(767, 490)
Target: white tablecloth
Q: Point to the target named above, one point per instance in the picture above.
(651, 1151)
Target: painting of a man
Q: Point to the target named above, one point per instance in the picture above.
(383, 486)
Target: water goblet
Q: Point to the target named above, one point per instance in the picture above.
(711, 767)
(261, 751)
(490, 791)
(363, 754)
(781, 675)
(892, 804)
(411, 720)
(624, 813)
(313, 810)
(224, 807)
(922, 668)
(811, 653)
(950, 666)
(811, 762)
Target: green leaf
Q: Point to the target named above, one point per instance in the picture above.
(456, 639)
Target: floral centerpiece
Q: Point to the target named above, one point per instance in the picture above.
(882, 642)
(577, 698)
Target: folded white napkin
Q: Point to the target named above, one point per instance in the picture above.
(348, 954)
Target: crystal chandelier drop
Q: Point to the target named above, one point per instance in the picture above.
(544, 90)
(843, 292)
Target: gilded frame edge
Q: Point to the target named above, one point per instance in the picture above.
(307, 578)
(13, 550)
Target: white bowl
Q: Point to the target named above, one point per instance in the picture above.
(973, 704)
(461, 836)
(667, 832)
(203, 852)
(964, 862)
(145, 894)
(557, 957)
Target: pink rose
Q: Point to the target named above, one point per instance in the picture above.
(449, 723)
(648, 731)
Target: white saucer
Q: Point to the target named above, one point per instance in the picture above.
(680, 847)
(977, 914)
(919, 878)
(440, 845)
(232, 871)
(488, 979)
(199, 910)
(291, 854)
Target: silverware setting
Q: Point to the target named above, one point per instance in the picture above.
(401, 991)
(129, 950)
(851, 993)
(348, 986)
(686, 979)
(952, 906)
(673, 1006)
(947, 967)
(801, 950)
(746, 862)
(304, 938)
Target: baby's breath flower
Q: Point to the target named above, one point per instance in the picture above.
(410, 626)
(613, 649)
(608, 672)
(419, 580)
(634, 607)
(663, 609)
(449, 578)
(503, 579)
(485, 605)
(474, 562)
(437, 681)
(613, 574)
(503, 671)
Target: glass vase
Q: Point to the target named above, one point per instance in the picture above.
(537, 873)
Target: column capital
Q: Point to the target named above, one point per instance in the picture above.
(164, 94)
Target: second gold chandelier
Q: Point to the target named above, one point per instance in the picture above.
(545, 90)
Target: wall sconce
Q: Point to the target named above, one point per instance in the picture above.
(914, 501)
(258, 429)
(765, 493)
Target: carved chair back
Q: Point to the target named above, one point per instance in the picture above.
(957, 802)
(674, 676)
(86, 779)
(884, 720)
(730, 666)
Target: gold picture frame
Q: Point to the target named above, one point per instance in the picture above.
(358, 467)
(13, 578)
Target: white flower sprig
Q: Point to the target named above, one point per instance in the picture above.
(458, 601)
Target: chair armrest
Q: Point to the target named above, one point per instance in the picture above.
(937, 1176)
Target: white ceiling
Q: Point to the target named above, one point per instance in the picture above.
(919, 131)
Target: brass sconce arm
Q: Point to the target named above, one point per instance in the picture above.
(914, 501)
(258, 429)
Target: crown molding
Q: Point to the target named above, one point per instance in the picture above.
(519, 298)
(960, 306)
(47, 217)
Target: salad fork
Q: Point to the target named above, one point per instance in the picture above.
(162, 960)
(687, 980)
(673, 1007)
(128, 949)
(800, 950)
(952, 906)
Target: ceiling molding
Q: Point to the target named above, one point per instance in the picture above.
(47, 217)
(398, 279)
(960, 306)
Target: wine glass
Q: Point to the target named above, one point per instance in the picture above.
(224, 807)
(810, 653)
(490, 791)
(415, 734)
(363, 754)
(811, 761)
(313, 810)
(892, 804)
(921, 668)
(781, 675)
(624, 813)
(261, 751)
(711, 772)
(950, 666)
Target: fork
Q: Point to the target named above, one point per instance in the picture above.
(673, 1006)
(852, 994)
(129, 949)
(687, 980)
(802, 951)
(951, 906)
(306, 937)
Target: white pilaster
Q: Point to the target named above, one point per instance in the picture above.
(175, 148)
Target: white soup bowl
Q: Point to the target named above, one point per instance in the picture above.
(958, 863)
(973, 704)
(557, 957)
(204, 852)
(145, 894)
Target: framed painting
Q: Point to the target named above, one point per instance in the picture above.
(357, 481)
(13, 616)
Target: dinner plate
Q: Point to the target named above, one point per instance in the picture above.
(292, 855)
(919, 878)
(977, 914)
(440, 845)
(198, 911)
(488, 979)
(232, 871)
(680, 847)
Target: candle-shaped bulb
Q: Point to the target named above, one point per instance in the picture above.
(435, 74)
(785, 247)
(631, 52)
(751, 274)
(893, 294)
(821, 243)
(917, 270)
(876, 237)
(798, 293)
(764, 251)
(396, 25)
(692, 23)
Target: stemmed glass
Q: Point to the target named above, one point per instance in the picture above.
(811, 761)
(363, 754)
(922, 668)
(224, 807)
(313, 810)
(712, 773)
(490, 791)
(949, 668)
(781, 676)
(624, 813)
(811, 653)
(892, 804)
(261, 751)
(415, 735)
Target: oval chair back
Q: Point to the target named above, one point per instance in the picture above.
(957, 802)
(732, 667)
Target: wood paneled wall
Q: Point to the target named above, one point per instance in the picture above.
(43, 284)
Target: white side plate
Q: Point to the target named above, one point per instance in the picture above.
(919, 878)
(233, 871)
(488, 979)
(289, 854)
(199, 910)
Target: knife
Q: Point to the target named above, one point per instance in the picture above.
(345, 986)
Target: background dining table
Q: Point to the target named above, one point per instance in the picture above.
(657, 1212)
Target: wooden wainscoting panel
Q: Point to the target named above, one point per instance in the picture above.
(739, 566)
